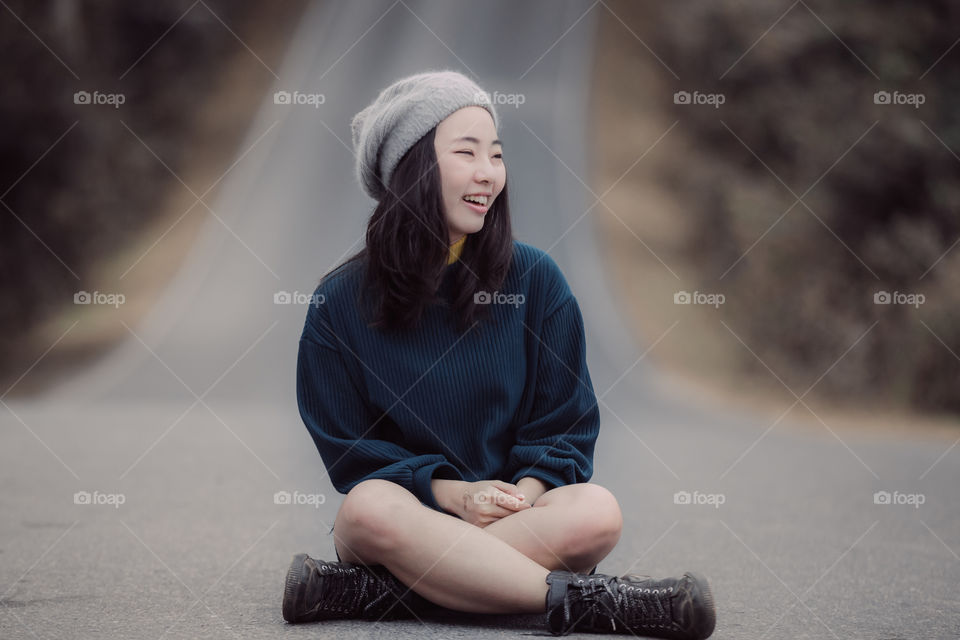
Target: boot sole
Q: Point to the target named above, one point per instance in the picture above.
(706, 625)
(293, 588)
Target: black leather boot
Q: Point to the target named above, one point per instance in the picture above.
(319, 590)
(679, 608)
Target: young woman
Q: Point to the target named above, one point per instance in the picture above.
(442, 376)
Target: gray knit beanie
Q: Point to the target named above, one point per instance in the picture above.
(402, 114)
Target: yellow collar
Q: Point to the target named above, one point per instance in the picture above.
(455, 250)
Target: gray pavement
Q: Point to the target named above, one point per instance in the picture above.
(193, 420)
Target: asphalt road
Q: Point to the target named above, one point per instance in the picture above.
(192, 423)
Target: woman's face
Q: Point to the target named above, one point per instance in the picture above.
(470, 160)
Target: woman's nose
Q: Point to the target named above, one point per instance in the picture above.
(484, 171)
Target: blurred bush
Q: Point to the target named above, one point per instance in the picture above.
(884, 217)
(91, 193)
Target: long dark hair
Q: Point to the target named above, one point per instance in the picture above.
(407, 247)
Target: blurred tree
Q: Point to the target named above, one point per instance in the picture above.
(76, 185)
(879, 184)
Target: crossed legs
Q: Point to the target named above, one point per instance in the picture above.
(501, 568)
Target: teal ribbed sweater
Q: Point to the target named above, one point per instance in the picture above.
(508, 398)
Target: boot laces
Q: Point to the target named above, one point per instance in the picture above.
(385, 595)
(342, 589)
(645, 607)
(597, 601)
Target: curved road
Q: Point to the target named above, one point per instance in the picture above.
(192, 422)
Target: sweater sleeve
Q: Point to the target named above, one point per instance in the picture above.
(556, 444)
(339, 421)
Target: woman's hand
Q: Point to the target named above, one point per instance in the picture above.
(479, 503)
(532, 488)
(487, 501)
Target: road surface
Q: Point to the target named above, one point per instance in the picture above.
(184, 434)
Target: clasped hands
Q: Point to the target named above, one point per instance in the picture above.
(486, 501)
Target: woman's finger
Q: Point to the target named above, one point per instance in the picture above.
(495, 511)
(512, 489)
(505, 500)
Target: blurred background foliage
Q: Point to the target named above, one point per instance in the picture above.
(715, 202)
(79, 183)
(884, 217)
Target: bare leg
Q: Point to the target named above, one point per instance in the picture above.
(569, 528)
(446, 560)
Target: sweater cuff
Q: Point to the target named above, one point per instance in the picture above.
(551, 478)
(422, 477)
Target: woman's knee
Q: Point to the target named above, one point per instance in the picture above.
(596, 521)
(370, 513)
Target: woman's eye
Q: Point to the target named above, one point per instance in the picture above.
(468, 152)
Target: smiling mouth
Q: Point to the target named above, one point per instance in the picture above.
(479, 203)
(481, 199)
(481, 209)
